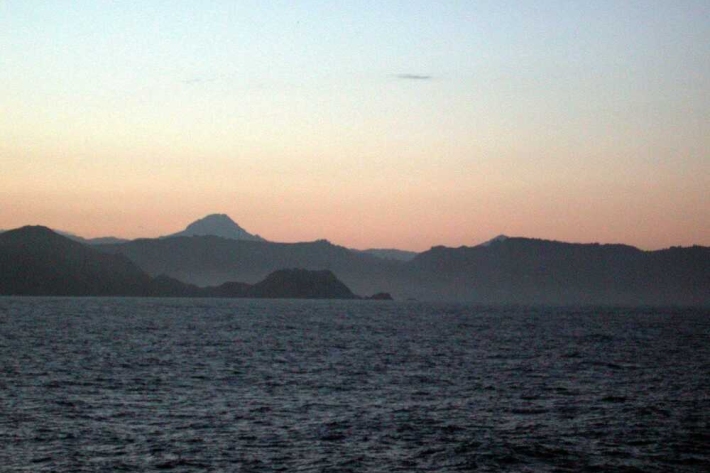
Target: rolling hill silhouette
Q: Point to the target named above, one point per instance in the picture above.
(524, 270)
(504, 270)
(38, 261)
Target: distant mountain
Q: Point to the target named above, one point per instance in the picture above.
(38, 261)
(219, 225)
(524, 270)
(388, 253)
(210, 261)
(503, 271)
(494, 240)
(92, 241)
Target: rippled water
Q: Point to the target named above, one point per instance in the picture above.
(223, 385)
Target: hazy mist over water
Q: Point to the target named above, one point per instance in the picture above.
(100, 384)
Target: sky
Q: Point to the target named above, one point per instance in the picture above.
(397, 124)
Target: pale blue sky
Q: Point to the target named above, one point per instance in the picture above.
(585, 121)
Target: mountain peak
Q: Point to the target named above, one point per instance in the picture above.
(220, 225)
(213, 220)
(495, 240)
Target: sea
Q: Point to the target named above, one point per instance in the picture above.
(219, 385)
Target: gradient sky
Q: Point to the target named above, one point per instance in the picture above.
(399, 124)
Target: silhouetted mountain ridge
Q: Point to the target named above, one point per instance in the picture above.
(38, 261)
(504, 270)
(209, 260)
(86, 241)
(526, 270)
(391, 253)
(510, 270)
(92, 241)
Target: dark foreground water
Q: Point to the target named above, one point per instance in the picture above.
(219, 385)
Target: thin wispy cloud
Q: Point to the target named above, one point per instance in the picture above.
(414, 77)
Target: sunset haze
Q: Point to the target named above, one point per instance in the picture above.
(399, 124)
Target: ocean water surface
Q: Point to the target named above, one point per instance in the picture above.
(101, 384)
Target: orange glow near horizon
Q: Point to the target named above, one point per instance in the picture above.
(584, 125)
(405, 218)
